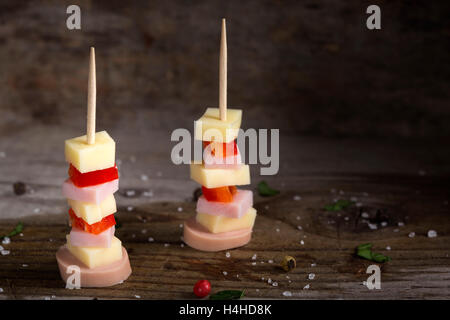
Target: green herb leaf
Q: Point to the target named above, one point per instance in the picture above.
(265, 191)
(227, 295)
(18, 229)
(365, 251)
(338, 205)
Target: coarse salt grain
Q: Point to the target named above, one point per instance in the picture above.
(166, 244)
(5, 252)
(254, 257)
(180, 209)
(144, 177)
(396, 230)
(24, 265)
(299, 228)
(383, 223)
(270, 261)
(150, 239)
(388, 248)
(313, 264)
(253, 263)
(225, 273)
(36, 210)
(346, 218)
(311, 276)
(372, 226)
(147, 193)
(359, 204)
(432, 234)
(227, 254)
(298, 217)
(269, 280)
(6, 240)
(1, 290)
(401, 224)
(412, 234)
(302, 242)
(130, 193)
(297, 198)
(275, 284)
(277, 230)
(182, 245)
(306, 287)
(137, 296)
(365, 215)
(287, 294)
(144, 231)
(130, 208)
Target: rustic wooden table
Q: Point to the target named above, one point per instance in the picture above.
(324, 247)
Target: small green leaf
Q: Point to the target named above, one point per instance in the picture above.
(265, 191)
(338, 205)
(365, 251)
(227, 295)
(18, 229)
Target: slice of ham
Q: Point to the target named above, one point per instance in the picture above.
(104, 276)
(211, 161)
(242, 201)
(198, 237)
(92, 194)
(81, 238)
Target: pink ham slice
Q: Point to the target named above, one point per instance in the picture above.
(211, 161)
(104, 276)
(198, 237)
(242, 201)
(81, 238)
(92, 194)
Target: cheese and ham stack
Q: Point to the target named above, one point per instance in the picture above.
(225, 215)
(93, 180)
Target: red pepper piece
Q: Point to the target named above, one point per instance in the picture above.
(92, 178)
(221, 194)
(95, 228)
(230, 147)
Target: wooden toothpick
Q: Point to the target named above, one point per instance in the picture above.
(223, 73)
(92, 96)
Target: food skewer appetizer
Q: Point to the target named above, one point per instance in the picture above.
(93, 179)
(225, 216)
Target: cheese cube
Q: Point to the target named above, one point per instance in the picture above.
(90, 157)
(214, 178)
(94, 256)
(92, 212)
(209, 127)
(218, 224)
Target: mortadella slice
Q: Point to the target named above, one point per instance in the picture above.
(242, 202)
(92, 194)
(81, 238)
(198, 237)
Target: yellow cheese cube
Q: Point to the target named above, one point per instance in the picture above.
(96, 257)
(90, 157)
(218, 224)
(214, 178)
(92, 212)
(209, 127)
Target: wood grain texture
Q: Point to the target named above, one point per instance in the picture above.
(163, 269)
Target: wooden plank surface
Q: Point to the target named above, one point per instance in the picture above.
(164, 269)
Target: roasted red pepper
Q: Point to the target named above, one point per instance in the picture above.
(221, 194)
(230, 147)
(92, 178)
(95, 228)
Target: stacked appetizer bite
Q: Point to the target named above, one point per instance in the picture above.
(93, 180)
(225, 215)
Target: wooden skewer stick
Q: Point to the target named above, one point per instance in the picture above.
(223, 73)
(92, 96)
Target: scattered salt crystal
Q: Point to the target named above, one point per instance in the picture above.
(147, 193)
(166, 244)
(225, 273)
(287, 294)
(412, 234)
(365, 194)
(180, 225)
(257, 290)
(1, 248)
(313, 264)
(1, 290)
(306, 287)
(311, 276)
(2, 154)
(287, 277)
(130, 208)
(137, 296)
(6, 240)
(270, 261)
(275, 284)
(359, 204)
(144, 231)
(47, 298)
(133, 159)
(262, 262)
(150, 239)
(341, 192)
(302, 242)
(262, 278)
(383, 223)
(372, 226)
(130, 193)
(133, 236)
(182, 245)
(180, 209)
(346, 218)
(401, 224)
(228, 254)
(289, 281)
(388, 248)
(298, 218)
(269, 280)
(5, 252)
(144, 177)
(253, 263)
(432, 234)
(299, 228)
(21, 234)
(254, 257)
(159, 174)
(396, 230)
(24, 265)
(277, 230)
(297, 198)
(365, 215)
(266, 207)
(36, 210)
(237, 276)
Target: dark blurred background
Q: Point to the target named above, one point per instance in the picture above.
(308, 67)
